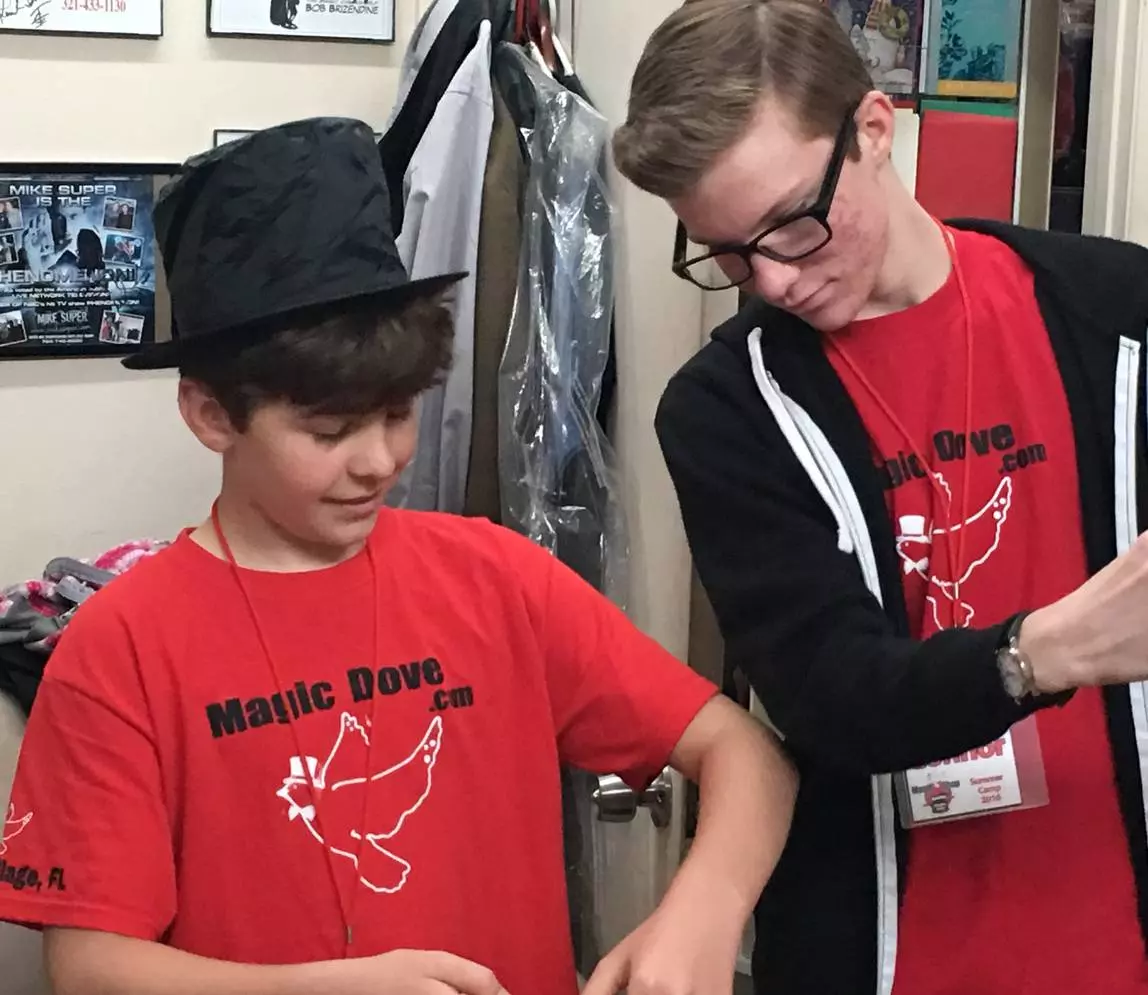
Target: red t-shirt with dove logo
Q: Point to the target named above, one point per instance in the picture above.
(1033, 902)
(170, 789)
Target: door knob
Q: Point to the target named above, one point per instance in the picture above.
(616, 802)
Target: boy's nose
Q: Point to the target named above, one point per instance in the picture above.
(375, 455)
(774, 280)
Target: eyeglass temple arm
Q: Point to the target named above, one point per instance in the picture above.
(679, 247)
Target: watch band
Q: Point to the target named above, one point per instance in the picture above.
(1015, 666)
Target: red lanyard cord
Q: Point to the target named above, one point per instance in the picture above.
(944, 498)
(345, 910)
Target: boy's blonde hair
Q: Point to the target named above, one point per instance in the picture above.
(705, 71)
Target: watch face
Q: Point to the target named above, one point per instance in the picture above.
(1011, 674)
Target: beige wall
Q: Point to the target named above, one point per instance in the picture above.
(93, 455)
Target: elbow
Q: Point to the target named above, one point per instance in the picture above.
(760, 746)
(745, 743)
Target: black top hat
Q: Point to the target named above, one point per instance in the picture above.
(287, 220)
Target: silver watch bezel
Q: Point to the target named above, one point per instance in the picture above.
(1016, 671)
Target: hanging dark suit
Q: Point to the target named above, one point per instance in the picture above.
(498, 248)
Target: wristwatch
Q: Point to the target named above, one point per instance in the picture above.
(1015, 666)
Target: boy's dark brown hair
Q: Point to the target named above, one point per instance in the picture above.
(357, 362)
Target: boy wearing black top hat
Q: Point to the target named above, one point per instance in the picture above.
(317, 740)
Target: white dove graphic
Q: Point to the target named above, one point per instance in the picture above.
(13, 827)
(396, 793)
(983, 528)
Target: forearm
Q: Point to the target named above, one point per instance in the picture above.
(747, 792)
(873, 704)
(82, 962)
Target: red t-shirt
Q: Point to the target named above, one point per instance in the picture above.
(166, 796)
(1038, 901)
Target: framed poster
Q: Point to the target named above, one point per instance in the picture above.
(114, 18)
(974, 49)
(79, 266)
(307, 20)
(887, 35)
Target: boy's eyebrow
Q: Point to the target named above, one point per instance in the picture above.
(789, 204)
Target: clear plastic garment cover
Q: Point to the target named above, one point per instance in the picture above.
(557, 469)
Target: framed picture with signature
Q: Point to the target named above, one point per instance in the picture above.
(112, 18)
(304, 20)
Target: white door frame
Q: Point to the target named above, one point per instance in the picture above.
(1110, 194)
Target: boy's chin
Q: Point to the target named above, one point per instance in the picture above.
(345, 528)
(328, 543)
(332, 534)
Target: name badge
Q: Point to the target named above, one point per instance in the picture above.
(1002, 776)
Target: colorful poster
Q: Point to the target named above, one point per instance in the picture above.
(136, 18)
(974, 49)
(887, 36)
(327, 20)
(77, 264)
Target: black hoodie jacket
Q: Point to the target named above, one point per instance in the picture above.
(792, 539)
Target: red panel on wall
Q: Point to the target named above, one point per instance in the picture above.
(966, 165)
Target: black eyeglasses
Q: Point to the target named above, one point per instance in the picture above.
(791, 239)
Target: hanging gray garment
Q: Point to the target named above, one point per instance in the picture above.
(442, 194)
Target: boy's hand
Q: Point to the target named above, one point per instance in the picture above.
(689, 946)
(411, 972)
(84, 962)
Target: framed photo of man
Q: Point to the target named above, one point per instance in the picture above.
(112, 18)
(371, 21)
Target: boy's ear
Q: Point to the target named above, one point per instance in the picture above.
(205, 416)
(875, 119)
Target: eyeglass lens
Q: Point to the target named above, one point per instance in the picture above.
(801, 237)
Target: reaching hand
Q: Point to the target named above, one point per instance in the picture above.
(1098, 634)
(685, 948)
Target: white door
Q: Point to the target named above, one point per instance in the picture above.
(1116, 169)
